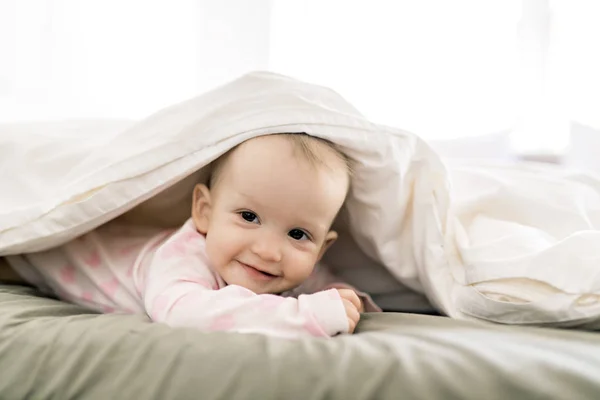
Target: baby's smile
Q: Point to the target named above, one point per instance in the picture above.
(257, 273)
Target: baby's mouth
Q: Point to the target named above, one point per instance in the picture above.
(258, 273)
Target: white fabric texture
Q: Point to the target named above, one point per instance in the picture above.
(508, 244)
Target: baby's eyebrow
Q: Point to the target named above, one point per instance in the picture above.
(247, 197)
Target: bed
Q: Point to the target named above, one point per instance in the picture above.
(53, 350)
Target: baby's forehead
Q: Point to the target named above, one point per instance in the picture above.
(269, 155)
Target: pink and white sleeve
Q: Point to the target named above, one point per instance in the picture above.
(180, 290)
(323, 279)
(237, 309)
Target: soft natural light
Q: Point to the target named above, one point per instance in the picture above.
(574, 59)
(441, 69)
(121, 59)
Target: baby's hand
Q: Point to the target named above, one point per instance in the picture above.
(352, 304)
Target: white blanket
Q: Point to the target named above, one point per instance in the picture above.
(508, 244)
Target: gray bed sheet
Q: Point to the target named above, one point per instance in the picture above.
(53, 350)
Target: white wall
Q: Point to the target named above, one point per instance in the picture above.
(442, 69)
(122, 59)
(582, 153)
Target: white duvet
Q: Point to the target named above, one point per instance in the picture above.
(512, 244)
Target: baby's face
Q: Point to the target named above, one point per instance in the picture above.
(267, 220)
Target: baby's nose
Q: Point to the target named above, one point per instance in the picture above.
(267, 248)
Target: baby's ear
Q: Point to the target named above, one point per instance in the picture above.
(201, 208)
(330, 239)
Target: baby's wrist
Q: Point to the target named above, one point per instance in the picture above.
(328, 309)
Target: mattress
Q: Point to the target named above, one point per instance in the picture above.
(53, 350)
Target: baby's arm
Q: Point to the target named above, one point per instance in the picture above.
(323, 279)
(236, 309)
(182, 292)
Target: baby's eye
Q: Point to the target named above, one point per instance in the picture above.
(249, 216)
(297, 234)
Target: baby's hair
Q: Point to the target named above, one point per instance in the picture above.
(306, 145)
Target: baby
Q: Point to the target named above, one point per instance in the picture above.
(240, 263)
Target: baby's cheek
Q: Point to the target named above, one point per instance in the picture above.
(299, 269)
(217, 251)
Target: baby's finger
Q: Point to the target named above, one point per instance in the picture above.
(351, 325)
(361, 309)
(351, 311)
(353, 297)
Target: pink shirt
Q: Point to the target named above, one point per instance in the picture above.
(167, 275)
